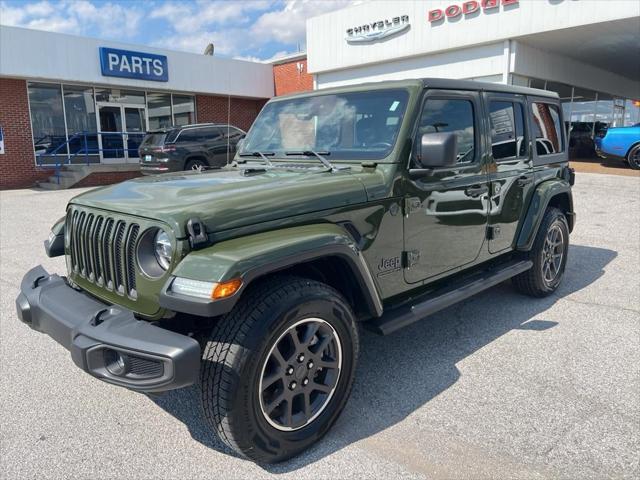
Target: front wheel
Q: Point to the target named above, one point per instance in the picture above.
(277, 371)
(633, 157)
(549, 256)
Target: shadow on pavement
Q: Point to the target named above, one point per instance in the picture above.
(430, 348)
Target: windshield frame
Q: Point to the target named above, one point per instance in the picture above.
(405, 94)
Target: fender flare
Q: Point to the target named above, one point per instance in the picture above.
(542, 196)
(255, 256)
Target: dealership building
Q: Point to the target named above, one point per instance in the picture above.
(60, 93)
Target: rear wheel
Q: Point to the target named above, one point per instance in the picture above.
(633, 157)
(277, 371)
(196, 164)
(549, 256)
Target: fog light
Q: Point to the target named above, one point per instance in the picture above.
(115, 362)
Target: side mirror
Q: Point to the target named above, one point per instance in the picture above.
(438, 150)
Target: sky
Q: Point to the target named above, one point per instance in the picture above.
(247, 29)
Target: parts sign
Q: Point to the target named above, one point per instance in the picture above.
(127, 64)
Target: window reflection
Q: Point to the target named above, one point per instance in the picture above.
(159, 110)
(81, 119)
(47, 118)
(547, 128)
(183, 110)
(507, 130)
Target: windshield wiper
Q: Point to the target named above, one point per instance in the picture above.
(262, 155)
(318, 155)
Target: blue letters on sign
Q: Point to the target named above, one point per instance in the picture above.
(127, 64)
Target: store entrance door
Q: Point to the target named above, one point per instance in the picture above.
(122, 128)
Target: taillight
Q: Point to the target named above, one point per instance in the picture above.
(165, 149)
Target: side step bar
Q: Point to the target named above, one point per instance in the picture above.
(445, 297)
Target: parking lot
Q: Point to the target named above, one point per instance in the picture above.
(500, 386)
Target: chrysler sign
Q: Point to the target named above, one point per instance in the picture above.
(466, 8)
(370, 32)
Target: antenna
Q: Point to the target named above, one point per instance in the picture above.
(209, 50)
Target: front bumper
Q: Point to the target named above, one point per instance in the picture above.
(107, 341)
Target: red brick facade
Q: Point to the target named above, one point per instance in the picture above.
(18, 168)
(17, 165)
(242, 111)
(292, 76)
(105, 178)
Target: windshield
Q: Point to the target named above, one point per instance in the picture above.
(362, 125)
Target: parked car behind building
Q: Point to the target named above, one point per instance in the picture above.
(622, 143)
(188, 147)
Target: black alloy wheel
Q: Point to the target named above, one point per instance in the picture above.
(300, 374)
(553, 254)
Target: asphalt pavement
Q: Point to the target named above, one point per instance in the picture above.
(500, 386)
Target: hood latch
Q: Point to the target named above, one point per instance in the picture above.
(197, 234)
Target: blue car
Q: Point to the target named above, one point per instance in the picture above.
(621, 143)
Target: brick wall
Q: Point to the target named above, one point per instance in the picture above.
(288, 79)
(243, 111)
(17, 165)
(105, 178)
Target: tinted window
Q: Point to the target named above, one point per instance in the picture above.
(546, 127)
(191, 135)
(234, 133)
(440, 115)
(153, 139)
(508, 138)
(210, 134)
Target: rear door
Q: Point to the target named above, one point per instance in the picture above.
(510, 169)
(215, 145)
(446, 211)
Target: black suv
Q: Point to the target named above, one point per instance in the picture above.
(188, 147)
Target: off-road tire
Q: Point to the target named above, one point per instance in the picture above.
(533, 282)
(195, 163)
(238, 348)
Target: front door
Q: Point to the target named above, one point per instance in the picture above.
(122, 129)
(511, 168)
(446, 211)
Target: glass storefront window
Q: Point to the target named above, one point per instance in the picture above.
(631, 112)
(184, 110)
(117, 95)
(47, 118)
(159, 110)
(51, 105)
(81, 119)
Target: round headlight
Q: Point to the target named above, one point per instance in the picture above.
(163, 249)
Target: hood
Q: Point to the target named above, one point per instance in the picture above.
(227, 198)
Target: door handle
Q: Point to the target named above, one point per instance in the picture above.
(525, 180)
(476, 190)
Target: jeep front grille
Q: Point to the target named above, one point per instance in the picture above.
(102, 250)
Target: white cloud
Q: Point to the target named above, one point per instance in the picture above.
(74, 16)
(239, 28)
(288, 24)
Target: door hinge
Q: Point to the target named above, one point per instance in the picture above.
(411, 204)
(493, 232)
(410, 258)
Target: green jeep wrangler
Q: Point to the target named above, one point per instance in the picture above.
(376, 204)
